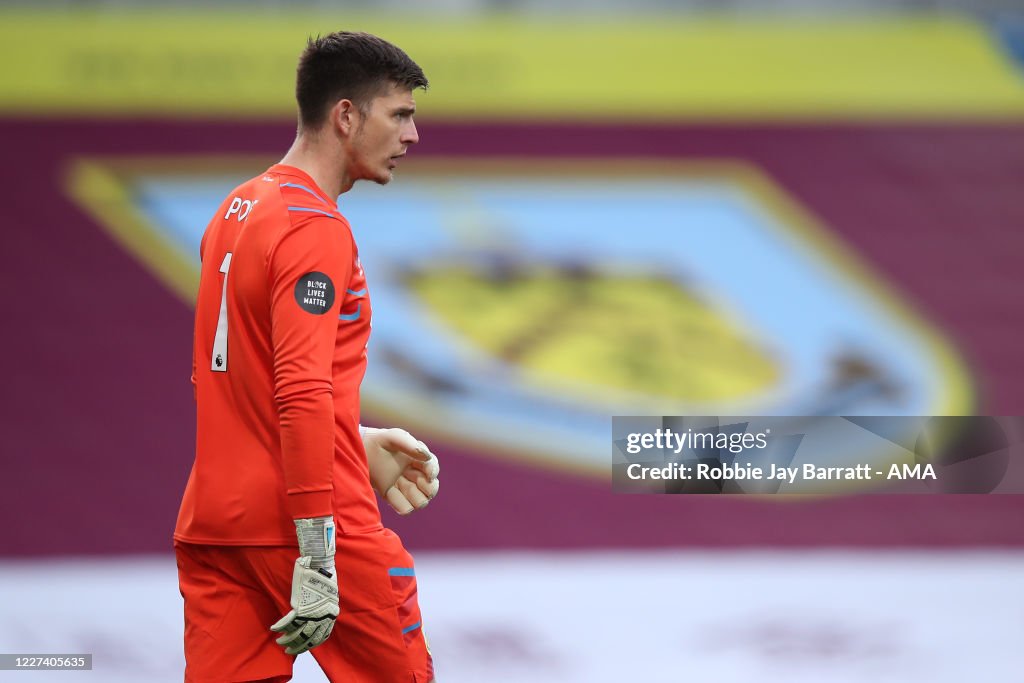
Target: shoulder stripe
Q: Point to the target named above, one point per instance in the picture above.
(307, 209)
(306, 189)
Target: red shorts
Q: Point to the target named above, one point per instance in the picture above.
(233, 595)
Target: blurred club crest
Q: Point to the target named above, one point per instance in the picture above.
(518, 306)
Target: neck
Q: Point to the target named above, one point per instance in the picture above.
(318, 155)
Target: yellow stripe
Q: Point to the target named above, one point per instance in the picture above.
(99, 189)
(242, 64)
(957, 393)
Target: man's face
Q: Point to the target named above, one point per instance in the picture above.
(383, 134)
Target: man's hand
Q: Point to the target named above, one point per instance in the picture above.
(314, 588)
(403, 470)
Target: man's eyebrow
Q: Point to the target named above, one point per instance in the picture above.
(405, 110)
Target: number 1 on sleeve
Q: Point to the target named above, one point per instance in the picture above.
(219, 362)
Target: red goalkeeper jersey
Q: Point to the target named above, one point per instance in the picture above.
(282, 323)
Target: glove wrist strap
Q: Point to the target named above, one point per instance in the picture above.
(316, 540)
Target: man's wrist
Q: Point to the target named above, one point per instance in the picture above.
(369, 431)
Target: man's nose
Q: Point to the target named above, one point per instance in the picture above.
(410, 135)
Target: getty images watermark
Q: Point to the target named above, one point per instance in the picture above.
(817, 455)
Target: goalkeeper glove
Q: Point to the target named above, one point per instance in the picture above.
(314, 588)
(402, 469)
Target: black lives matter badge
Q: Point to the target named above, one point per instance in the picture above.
(314, 293)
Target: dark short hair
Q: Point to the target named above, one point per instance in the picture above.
(348, 65)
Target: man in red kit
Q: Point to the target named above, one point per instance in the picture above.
(282, 323)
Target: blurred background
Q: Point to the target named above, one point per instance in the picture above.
(808, 207)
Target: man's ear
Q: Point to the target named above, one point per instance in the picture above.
(345, 117)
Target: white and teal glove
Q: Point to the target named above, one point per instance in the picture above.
(402, 469)
(314, 588)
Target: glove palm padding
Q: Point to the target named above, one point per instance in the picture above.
(314, 604)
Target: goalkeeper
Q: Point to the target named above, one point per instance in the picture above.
(279, 541)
